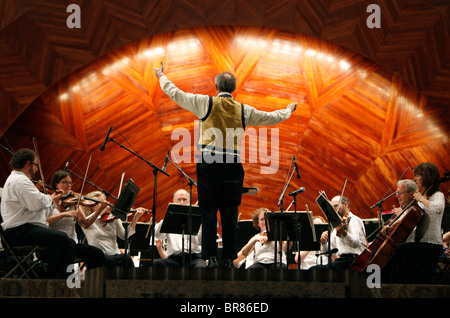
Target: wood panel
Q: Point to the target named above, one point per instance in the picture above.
(355, 118)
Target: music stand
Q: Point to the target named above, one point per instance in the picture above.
(334, 219)
(246, 231)
(176, 221)
(123, 205)
(250, 190)
(281, 227)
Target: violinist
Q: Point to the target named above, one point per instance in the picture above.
(25, 210)
(259, 252)
(65, 216)
(103, 235)
(415, 260)
(349, 238)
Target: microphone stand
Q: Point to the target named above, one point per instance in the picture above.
(190, 183)
(280, 204)
(155, 173)
(379, 204)
(297, 229)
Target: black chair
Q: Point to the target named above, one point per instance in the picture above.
(19, 261)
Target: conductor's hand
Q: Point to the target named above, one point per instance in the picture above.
(292, 107)
(159, 71)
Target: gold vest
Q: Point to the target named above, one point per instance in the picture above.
(222, 128)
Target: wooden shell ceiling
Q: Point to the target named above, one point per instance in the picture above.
(373, 102)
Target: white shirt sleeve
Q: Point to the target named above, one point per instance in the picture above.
(195, 103)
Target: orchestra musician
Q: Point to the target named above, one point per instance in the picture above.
(405, 193)
(414, 261)
(349, 237)
(64, 218)
(173, 257)
(220, 174)
(25, 210)
(103, 234)
(259, 252)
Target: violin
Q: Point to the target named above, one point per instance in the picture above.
(108, 217)
(72, 198)
(42, 187)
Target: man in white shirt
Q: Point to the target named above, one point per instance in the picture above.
(220, 175)
(349, 238)
(173, 257)
(24, 212)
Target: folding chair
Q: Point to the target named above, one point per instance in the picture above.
(25, 258)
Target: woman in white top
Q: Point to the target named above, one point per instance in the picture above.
(103, 234)
(263, 250)
(64, 219)
(415, 262)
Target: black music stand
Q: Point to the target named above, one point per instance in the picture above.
(334, 219)
(295, 227)
(176, 221)
(123, 206)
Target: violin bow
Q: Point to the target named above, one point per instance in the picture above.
(39, 164)
(84, 182)
(340, 198)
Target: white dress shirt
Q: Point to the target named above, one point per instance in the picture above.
(355, 240)
(23, 203)
(175, 241)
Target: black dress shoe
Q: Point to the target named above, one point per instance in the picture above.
(213, 262)
(228, 263)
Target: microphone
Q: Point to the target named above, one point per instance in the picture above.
(165, 162)
(297, 191)
(296, 167)
(106, 139)
(66, 166)
(334, 250)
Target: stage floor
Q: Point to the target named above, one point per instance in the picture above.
(217, 283)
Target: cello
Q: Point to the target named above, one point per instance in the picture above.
(382, 248)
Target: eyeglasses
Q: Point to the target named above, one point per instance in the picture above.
(67, 182)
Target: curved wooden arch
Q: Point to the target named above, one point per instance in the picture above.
(42, 59)
(354, 120)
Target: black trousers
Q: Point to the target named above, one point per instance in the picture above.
(61, 248)
(219, 189)
(91, 255)
(176, 261)
(412, 263)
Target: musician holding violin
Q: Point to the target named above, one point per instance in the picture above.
(67, 213)
(349, 237)
(25, 210)
(103, 232)
(414, 260)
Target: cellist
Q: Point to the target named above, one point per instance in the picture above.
(405, 193)
(414, 261)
